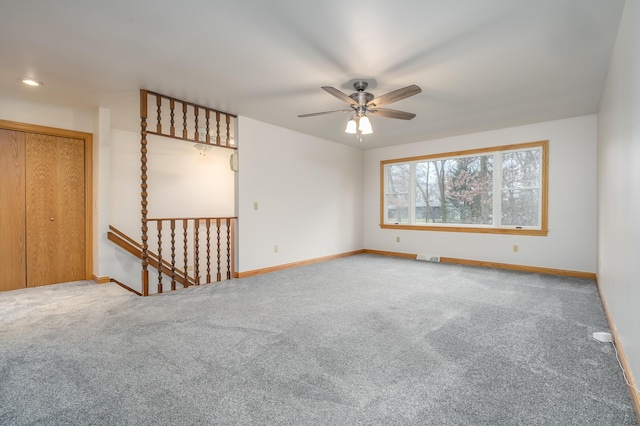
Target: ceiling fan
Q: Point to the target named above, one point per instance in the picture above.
(364, 103)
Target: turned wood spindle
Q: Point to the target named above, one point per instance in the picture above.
(185, 225)
(159, 226)
(143, 194)
(172, 107)
(196, 243)
(208, 225)
(228, 249)
(159, 105)
(196, 135)
(219, 277)
(217, 128)
(173, 254)
(185, 135)
(207, 115)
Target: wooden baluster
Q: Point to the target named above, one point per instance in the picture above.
(208, 224)
(217, 128)
(196, 136)
(172, 106)
(173, 254)
(186, 253)
(159, 104)
(184, 120)
(228, 130)
(144, 255)
(228, 249)
(233, 250)
(159, 225)
(219, 277)
(208, 139)
(196, 243)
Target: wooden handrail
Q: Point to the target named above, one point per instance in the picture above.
(133, 247)
(125, 237)
(222, 244)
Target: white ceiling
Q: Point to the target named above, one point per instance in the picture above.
(481, 64)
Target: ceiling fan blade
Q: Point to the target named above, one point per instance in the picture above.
(395, 96)
(324, 112)
(391, 113)
(340, 95)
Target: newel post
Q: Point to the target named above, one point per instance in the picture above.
(143, 187)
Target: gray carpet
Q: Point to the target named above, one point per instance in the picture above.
(363, 340)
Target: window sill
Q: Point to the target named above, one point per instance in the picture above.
(469, 229)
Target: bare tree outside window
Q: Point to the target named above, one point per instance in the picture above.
(521, 187)
(397, 195)
(457, 190)
(486, 188)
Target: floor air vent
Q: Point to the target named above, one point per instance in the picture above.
(428, 258)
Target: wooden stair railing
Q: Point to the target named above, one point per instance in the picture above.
(186, 121)
(125, 242)
(201, 249)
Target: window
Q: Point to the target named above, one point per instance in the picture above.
(492, 190)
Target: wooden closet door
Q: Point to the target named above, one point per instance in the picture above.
(12, 211)
(55, 202)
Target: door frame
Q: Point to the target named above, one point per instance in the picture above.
(88, 177)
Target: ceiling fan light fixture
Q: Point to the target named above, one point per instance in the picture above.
(203, 148)
(365, 125)
(351, 126)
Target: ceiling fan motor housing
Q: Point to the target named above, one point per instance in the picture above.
(360, 96)
(360, 86)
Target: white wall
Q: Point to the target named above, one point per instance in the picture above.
(309, 195)
(80, 120)
(101, 177)
(181, 181)
(571, 242)
(619, 186)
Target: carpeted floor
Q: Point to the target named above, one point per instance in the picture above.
(363, 340)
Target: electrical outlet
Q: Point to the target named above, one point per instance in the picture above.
(515, 248)
(190, 268)
(255, 205)
(397, 239)
(275, 249)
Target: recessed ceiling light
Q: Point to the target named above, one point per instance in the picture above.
(31, 82)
